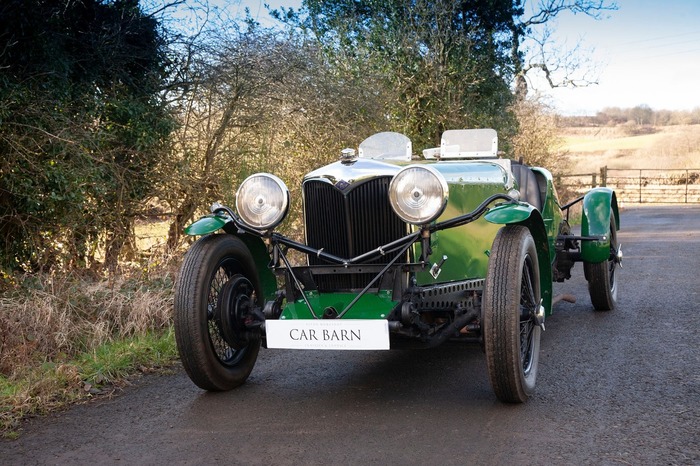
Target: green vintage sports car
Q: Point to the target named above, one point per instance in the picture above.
(400, 251)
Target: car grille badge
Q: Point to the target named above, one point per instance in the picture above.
(342, 185)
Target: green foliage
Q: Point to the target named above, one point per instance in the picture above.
(108, 113)
(82, 128)
(116, 360)
(443, 64)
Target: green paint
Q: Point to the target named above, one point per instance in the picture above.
(376, 305)
(597, 208)
(258, 250)
(469, 183)
(509, 213)
(256, 246)
(551, 211)
(206, 225)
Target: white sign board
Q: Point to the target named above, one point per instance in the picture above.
(328, 334)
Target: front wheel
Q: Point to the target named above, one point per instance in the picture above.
(217, 284)
(602, 277)
(512, 314)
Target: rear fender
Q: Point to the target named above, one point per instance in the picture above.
(529, 217)
(598, 205)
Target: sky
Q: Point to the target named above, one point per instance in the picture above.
(645, 53)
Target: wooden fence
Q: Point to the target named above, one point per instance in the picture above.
(650, 186)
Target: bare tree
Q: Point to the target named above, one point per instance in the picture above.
(259, 100)
(537, 142)
(231, 96)
(560, 68)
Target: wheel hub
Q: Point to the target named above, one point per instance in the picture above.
(619, 255)
(538, 315)
(233, 307)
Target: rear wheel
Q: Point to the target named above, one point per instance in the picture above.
(602, 277)
(217, 286)
(512, 314)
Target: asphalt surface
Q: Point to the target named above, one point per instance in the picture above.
(620, 387)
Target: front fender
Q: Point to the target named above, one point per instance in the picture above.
(206, 225)
(528, 216)
(256, 246)
(261, 256)
(506, 214)
(599, 204)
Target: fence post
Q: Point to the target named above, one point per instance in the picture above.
(687, 181)
(604, 176)
(593, 180)
(640, 186)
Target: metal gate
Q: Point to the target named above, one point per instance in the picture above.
(644, 186)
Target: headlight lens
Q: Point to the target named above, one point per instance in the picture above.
(262, 201)
(418, 194)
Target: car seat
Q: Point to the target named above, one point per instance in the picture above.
(528, 186)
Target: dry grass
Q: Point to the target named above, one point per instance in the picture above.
(62, 337)
(48, 316)
(68, 337)
(623, 147)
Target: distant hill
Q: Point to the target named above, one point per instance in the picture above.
(632, 146)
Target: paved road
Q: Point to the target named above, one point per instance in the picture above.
(614, 388)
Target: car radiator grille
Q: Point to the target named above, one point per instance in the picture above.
(348, 224)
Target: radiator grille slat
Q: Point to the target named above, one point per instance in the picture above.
(349, 224)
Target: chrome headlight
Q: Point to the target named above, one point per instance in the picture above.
(262, 201)
(418, 194)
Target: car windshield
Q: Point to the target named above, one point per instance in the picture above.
(386, 146)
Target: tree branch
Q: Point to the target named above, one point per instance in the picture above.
(548, 9)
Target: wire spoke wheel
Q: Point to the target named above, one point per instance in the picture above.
(528, 309)
(217, 283)
(222, 316)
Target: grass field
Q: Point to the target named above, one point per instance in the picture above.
(622, 147)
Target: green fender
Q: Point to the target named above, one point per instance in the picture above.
(256, 246)
(206, 225)
(506, 214)
(528, 216)
(598, 205)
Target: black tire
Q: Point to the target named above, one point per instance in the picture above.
(212, 263)
(602, 279)
(511, 304)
